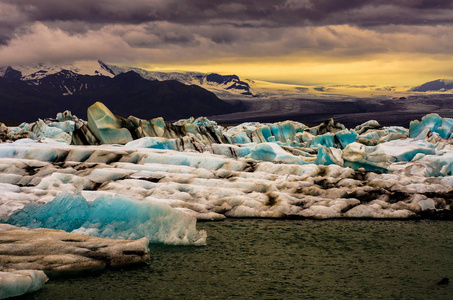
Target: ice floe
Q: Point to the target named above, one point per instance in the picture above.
(57, 252)
(117, 217)
(19, 282)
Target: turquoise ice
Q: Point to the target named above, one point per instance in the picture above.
(118, 217)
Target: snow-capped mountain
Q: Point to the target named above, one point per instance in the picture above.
(221, 85)
(439, 85)
(224, 86)
(28, 93)
(41, 70)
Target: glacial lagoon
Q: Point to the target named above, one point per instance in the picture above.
(284, 259)
(119, 178)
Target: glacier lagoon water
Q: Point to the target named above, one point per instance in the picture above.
(285, 259)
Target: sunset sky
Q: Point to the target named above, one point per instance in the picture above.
(404, 42)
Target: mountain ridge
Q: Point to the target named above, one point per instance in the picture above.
(126, 93)
(219, 84)
(224, 86)
(438, 85)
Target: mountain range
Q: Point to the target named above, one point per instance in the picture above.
(29, 94)
(42, 90)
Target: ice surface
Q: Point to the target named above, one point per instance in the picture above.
(20, 282)
(116, 217)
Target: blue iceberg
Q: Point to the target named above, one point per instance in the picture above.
(117, 217)
(433, 123)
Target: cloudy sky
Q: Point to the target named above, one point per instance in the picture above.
(401, 42)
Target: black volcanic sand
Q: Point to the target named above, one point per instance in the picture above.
(350, 112)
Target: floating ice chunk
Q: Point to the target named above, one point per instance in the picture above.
(61, 253)
(376, 211)
(433, 123)
(433, 165)
(346, 137)
(372, 124)
(326, 140)
(154, 143)
(381, 156)
(66, 126)
(64, 116)
(356, 156)
(405, 150)
(205, 122)
(21, 282)
(42, 131)
(273, 152)
(105, 125)
(240, 138)
(116, 217)
(230, 150)
(196, 160)
(284, 131)
(426, 204)
(262, 135)
(370, 135)
(329, 156)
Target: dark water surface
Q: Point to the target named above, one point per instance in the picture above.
(268, 259)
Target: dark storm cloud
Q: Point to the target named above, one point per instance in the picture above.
(185, 31)
(270, 12)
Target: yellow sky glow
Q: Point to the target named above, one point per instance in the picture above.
(400, 70)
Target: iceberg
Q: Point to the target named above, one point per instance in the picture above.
(273, 152)
(329, 156)
(105, 125)
(153, 143)
(433, 123)
(57, 253)
(380, 157)
(117, 217)
(346, 137)
(204, 170)
(326, 140)
(20, 282)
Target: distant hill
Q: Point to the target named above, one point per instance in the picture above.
(43, 93)
(439, 85)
